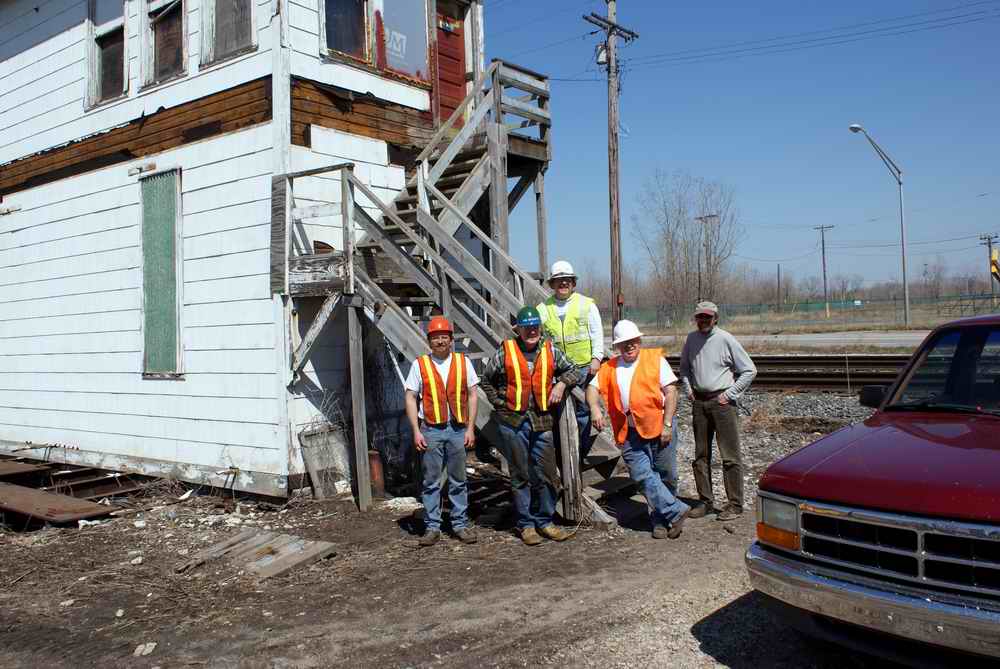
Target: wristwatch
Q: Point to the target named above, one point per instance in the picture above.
(668, 424)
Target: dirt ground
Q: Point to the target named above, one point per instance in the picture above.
(74, 598)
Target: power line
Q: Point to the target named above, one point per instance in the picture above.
(722, 56)
(553, 44)
(779, 38)
(522, 23)
(772, 260)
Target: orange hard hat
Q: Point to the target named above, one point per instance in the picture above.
(439, 324)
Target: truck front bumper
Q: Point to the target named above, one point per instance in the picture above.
(910, 613)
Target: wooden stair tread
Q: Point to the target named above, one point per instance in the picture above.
(49, 506)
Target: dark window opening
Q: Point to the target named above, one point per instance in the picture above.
(168, 40)
(233, 29)
(111, 65)
(345, 27)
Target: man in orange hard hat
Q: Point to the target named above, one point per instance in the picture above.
(441, 406)
(637, 386)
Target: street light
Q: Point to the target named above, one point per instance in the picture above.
(897, 174)
(704, 242)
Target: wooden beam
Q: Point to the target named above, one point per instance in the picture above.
(279, 225)
(312, 335)
(497, 148)
(458, 143)
(512, 105)
(356, 357)
(569, 446)
(347, 221)
(391, 320)
(520, 188)
(406, 262)
(541, 221)
(468, 194)
(525, 82)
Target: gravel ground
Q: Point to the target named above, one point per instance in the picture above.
(76, 598)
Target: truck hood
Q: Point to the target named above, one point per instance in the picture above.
(927, 464)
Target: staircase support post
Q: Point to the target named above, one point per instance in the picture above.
(356, 361)
(569, 448)
(347, 220)
(542, 223)
(497, 148)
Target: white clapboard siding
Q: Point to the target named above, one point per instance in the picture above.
(223, 337)
(149, 405)
(99, 363)
(226, 194)
(74, 343)
(77, 285)
(114, 321)
(124, 234)
(68, 228)
(90, 263)
(239, 312)
(230, 265)
(199, 387)
(41, 89)
(252, 238)
(70, 306)
(38, 214)
(227, 218)
(255, 287)
(249, 361)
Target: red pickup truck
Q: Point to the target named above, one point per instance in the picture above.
(886, 534)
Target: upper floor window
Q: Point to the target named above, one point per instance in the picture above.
(405, 27)
(107, 50)
(165, 32)
(228, 29)
(347, 27)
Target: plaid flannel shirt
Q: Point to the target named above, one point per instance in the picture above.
(493, 381)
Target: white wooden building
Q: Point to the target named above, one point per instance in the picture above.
(152, 223)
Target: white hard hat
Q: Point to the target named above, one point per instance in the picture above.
(625, 331)
(561, 268)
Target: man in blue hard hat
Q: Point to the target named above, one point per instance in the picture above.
(524, 380)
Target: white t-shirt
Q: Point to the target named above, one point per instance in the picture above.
(626, 370)
(415, 382)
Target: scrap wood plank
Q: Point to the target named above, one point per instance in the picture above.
(12, 468)
(263, 554)
(49, 506)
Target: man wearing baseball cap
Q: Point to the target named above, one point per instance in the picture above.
(715, 370)
(637, 386)
(525, 380)
(441, 406)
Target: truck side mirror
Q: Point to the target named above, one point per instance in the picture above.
(872, 396)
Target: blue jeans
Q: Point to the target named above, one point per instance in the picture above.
(641, 457)
(445, 448)
(529, 454)
(665, 461)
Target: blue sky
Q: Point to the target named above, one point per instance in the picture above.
(774, 126)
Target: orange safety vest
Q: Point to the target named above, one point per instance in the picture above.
(521, 383)
(645, 396)
(438, 398)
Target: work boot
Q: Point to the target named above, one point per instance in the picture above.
(700, 510)
(660, 531)
(677, 526)
(530, 537)
(466, 535)
(555, 533)
(730, 512)
(430, 538)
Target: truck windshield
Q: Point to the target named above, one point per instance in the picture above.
(958, 371)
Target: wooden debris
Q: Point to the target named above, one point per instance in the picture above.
(48, 506)
(11, 468)
(263, 554)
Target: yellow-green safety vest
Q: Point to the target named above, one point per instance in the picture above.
(572, 334)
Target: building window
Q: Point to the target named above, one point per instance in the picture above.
(347, 27)
(165, 37)
(107, 56)
(405, 28)
(161, 286)
(228, 29)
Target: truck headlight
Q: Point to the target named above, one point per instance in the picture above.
(778, 523)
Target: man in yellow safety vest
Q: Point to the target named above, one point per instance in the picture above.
(573, 323)
(441, 406)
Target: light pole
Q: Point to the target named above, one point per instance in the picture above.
(704, 242)
(897, 174)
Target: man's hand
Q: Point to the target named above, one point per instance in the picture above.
(595, 366)
(597, 419)
(556, 394)
(666, 436)
(723, 400)
(419, 442)
(470, 438)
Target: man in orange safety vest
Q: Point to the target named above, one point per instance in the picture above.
(441, 407)
(637, 386)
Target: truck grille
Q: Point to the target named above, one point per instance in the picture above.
(943, 554)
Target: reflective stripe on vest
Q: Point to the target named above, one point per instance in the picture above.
(438, 398)
(572, 333)
(645, 396)
(522, 384)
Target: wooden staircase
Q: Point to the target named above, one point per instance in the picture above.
(441, 246)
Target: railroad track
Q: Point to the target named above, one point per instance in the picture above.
(844, 373)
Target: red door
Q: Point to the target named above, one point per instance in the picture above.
(451, 66)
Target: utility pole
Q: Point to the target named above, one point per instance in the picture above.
(612, 31)
(704, 243)
(822, 236)
(987, 241)
(778, 300)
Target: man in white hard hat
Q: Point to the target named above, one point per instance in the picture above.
(573, 323)
(638, 388)
(715, 370)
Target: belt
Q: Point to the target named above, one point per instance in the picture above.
(455, 425)
(704, 397)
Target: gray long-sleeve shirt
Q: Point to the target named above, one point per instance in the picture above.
(714, 362)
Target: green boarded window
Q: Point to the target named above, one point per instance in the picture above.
(160, 198)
